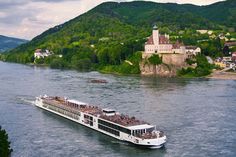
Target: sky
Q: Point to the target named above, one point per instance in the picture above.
(28, 18)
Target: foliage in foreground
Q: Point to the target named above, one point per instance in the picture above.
(5, 149)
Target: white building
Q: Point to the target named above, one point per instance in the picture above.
(41, 54)
(202, 31)
(172, 54)
(160, 44)
(192, 51)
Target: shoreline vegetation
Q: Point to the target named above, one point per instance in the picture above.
(202, 68)
(5, 149)
(215, 74)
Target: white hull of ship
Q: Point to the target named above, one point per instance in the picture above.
(145, 143)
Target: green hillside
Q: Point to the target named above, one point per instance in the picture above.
(222, 12)
(112, 32)
(7, 43)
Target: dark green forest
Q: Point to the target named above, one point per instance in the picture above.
(108, 37)
(5, 149)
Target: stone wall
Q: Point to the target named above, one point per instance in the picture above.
(161, 70)
(174, 59)
(169, 58)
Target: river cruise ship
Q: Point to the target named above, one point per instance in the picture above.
(106, 121)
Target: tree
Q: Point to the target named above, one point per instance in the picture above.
(226, 50)
(5, 149)
(39, 60)
(84, 64)
(203, 68)
(103, 56)
(58, 63)
(155, 59)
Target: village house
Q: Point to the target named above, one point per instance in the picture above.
(230, 44)
(39, 53)
(234, 57)
(221, 64)
(202, 31)
(227, 59)
(223, 37)
(192, 51)
(226, 62)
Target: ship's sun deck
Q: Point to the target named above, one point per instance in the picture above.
(117, 118)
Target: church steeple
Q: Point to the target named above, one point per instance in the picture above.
(155, 27)
(155, 34)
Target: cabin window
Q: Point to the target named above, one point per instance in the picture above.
(88, 119)
(114, 132)
(114, 126)
(150, 129)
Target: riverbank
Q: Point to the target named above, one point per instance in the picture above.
(222, 75)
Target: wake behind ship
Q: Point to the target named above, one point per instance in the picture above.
(107, 121)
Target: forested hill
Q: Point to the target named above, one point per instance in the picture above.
(222, 12)
(7, 43)
(112, 32)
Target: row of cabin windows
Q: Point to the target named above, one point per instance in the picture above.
(69, 114)
(114, 132)
(113, 126)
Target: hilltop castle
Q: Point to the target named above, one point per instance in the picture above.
(160, 44)
(173, 54)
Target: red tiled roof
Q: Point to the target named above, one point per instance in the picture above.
(38, 51)
(150, 40)
(230, 43)
(163, 40)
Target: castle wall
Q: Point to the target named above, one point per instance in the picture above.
(150, 48)
(170, 58)
(174, 59)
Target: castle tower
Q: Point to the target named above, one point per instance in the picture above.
(155, 34)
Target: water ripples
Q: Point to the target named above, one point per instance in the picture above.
(198, 115)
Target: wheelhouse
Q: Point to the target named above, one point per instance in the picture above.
(143, 131)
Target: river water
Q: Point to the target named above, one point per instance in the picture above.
(197, 115)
